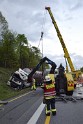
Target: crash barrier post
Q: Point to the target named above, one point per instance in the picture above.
(3, 102)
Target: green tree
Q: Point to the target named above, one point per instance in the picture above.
(14, 49)
(34, 56)
(9, 56)
(22, 49)
(81, 69)
(3, 25)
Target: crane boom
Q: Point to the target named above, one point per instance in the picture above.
(66, 54)
(40, 63)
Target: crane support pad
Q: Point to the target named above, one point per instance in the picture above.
(68, 98)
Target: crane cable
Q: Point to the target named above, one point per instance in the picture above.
(41, 38)
(42, 29)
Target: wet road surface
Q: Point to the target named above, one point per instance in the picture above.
(29, 109)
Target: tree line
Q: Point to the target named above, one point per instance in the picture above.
(15, 50)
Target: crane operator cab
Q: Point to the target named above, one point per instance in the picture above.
(61, 81)
(64, 82)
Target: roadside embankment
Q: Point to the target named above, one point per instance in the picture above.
(6, 91)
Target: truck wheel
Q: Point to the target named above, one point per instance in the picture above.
(69, 93)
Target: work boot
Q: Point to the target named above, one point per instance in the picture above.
(54, 113)
(48, 114)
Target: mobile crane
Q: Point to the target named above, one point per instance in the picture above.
(75, 73)
(68, 84)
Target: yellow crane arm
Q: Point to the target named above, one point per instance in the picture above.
(66, 54)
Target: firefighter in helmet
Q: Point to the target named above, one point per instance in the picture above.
(49, 95)
(61, 69)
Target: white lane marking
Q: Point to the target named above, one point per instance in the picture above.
(36, 115)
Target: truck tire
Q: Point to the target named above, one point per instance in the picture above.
(69, 93)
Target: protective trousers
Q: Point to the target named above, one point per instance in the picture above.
(33, 87)
(50, 106)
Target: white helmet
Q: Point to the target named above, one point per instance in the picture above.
(47, 78)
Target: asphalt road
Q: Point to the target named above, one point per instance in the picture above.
(29, 109)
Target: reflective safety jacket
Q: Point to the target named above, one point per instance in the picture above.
(49, 91)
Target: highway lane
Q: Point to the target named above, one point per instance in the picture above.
(21, 109)
(69, 113)
(28, 109)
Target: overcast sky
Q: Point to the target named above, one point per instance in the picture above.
(29, 17)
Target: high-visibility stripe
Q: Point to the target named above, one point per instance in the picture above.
(53, 110)
(49, 95)
(47, 111)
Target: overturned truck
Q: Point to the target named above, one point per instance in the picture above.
(64, 82)
(19, 79)
(22, 78)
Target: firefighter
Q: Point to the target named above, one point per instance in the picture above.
(61, 69)
(49, 95)
(33, 87)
